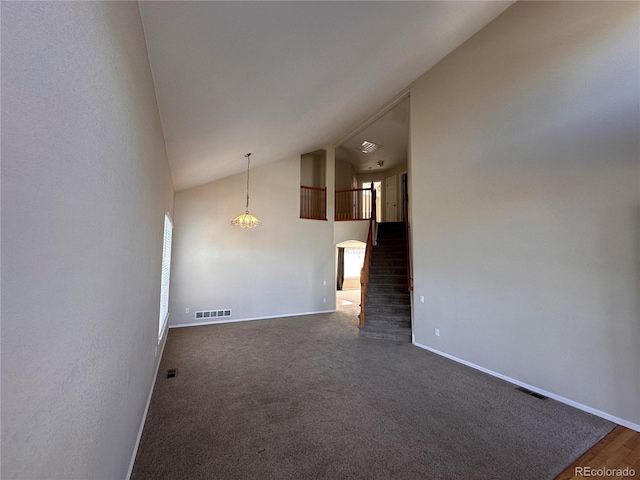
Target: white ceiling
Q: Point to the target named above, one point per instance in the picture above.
(285, 78)
(390, 130)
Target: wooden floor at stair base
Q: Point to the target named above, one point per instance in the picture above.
(620, 449)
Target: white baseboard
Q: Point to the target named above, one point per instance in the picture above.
(199, 324)
(572, 403)
(146, 409)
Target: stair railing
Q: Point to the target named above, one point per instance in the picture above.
(407, 228)
(354, 204)
(372, 237)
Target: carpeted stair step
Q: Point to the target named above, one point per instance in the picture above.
(381, 299)
(394, 261)
(382, 296)
(389, 253)
(404, 322)
(398, 312)
(379, 287)
(389, 266)
(379, 332)
(393, 321)
(390, 239)
(387, 316)
(391, 236)
(391, 245)
(389, 256)
(375, 287)
(401, 310)
(388, 242)
(395, 242)
(388, 279)
(388, 270)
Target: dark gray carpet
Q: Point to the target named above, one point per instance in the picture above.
(305, 397)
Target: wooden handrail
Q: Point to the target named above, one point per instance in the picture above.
(353, 190)
(366, 267)
(408, 232)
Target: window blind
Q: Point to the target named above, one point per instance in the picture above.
(166, 275)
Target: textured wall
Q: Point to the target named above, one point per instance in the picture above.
(85, 185)
(276, 269)
(525, 187)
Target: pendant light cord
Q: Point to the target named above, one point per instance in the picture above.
(248, 155)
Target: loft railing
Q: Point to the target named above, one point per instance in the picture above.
(366, 267)
(355, 204)
(313, 203)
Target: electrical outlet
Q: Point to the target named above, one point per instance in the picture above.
(421, 298)
(436, 332)
(324, 300)
(186, 310)
(324, 282)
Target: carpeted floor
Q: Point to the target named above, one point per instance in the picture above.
(305, 397)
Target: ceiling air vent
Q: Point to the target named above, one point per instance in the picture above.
(213, 314)
(368, 147)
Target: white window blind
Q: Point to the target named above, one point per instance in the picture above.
(166, 275)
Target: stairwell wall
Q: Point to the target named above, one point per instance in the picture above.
(526, 199)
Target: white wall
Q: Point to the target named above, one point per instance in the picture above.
(353, 230)
(525, 149)
(276, 269)
(313, 169)
(85, 185)
(345, 173)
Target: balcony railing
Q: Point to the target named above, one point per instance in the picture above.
(355, 204)
(313, 203)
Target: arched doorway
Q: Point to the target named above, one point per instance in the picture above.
(350, 258)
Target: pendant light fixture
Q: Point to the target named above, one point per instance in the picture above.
(246, 220)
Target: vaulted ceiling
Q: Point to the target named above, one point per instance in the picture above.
(389, 131)
(284, 78)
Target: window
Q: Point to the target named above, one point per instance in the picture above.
(353, 261)
(166, 275)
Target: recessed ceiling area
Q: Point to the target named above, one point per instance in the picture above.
(390, 130)
(282, 78)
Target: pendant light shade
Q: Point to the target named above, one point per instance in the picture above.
(246, 220)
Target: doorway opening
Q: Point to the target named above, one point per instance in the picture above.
(404, 178)
(377, 186)
(350, 259)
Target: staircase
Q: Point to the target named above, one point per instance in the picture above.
(388, 305)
